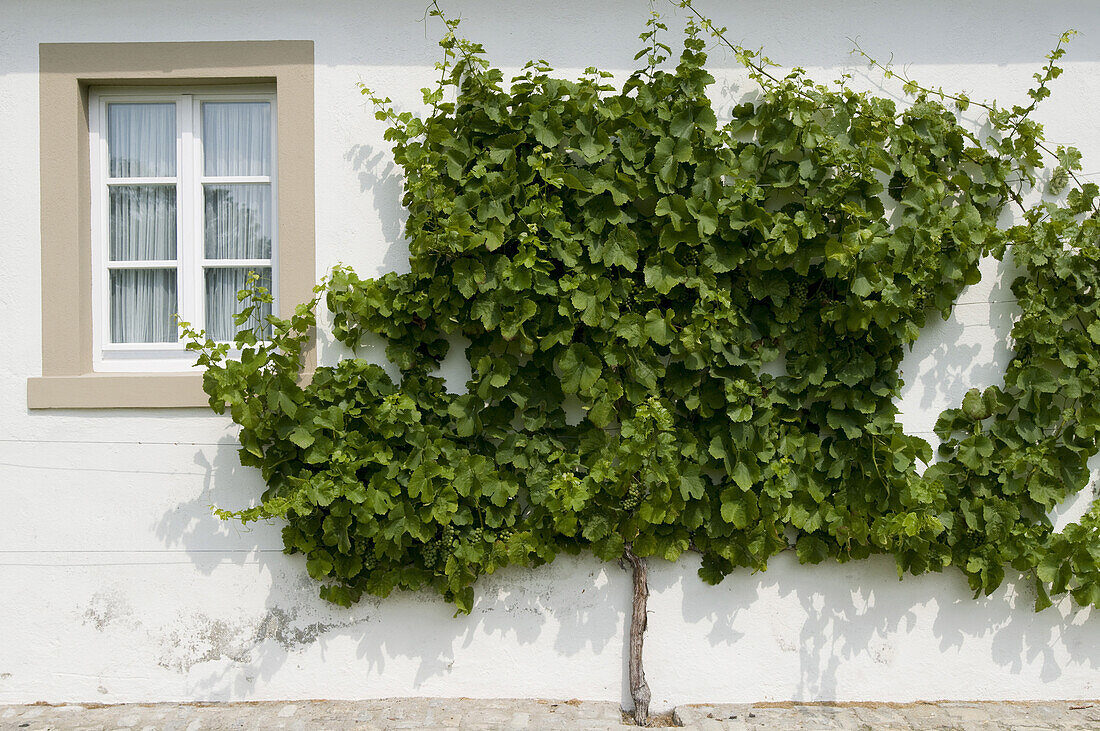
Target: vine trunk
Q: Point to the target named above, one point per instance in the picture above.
(639, 689)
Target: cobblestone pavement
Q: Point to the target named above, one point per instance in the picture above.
(953, 716)
(465, 713)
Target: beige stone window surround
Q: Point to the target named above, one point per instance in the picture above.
(66, 72)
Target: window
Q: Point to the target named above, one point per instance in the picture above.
(106, 340)
(183, 205)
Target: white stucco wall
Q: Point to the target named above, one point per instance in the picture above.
(117, 584)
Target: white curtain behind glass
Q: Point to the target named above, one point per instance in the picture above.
(222, 285)
(141, 142)
(143, 222)
(236, 140)
(238, 221)
(142, 304)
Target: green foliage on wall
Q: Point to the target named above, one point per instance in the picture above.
(684, 335)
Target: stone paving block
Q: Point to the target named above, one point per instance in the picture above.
(928, 716)
(707, 724)
(687, 715)
(969, 712)
(826, 717)
(989, 725)
(880, 717)
(775, 717)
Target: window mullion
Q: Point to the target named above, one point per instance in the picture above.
(185, 191)
(198, 245)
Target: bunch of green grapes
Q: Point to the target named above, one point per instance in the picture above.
(633, 497)
(799, 292)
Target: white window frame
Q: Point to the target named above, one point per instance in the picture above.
(190, 262)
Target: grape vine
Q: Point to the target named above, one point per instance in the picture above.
(625, 274)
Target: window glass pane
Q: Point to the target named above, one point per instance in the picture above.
(238, 221)
(236, 138)
(222, 285)
(142, 304)
(142, 222)
(141, 140)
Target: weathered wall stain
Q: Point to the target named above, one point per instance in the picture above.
(107, 607)
(194, 637)
(279, 625)
(197, 637)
